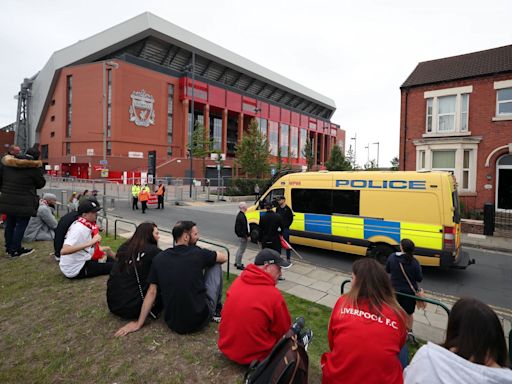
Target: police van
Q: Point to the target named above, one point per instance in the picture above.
(368, 213)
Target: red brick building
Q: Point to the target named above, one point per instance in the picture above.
(128, 90)
(456, 115)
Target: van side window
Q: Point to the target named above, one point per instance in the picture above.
(345, 202)
(312, 201)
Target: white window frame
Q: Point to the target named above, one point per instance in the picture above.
(433, 97)
(498, 85)
(459, 149)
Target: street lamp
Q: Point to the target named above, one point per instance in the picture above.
(355, 148)
(106, 66)
(192, 121)
(368, 153)
(377, 143)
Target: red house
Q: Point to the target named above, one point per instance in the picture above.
(456, 115)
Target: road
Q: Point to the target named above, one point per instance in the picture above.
(489, 280)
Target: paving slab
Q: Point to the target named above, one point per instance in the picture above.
(307, 293)
(328, 300)
(322, 275)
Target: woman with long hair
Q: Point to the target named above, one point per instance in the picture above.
(366, 330)
(474, 350)
(404, 268)
(128, 279)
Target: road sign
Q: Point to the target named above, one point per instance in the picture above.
(73, 159)
(103, 162)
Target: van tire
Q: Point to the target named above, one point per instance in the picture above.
(381, 252)
(255, 233)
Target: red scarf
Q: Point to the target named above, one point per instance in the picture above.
(98, 253)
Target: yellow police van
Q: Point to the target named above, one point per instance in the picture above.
(368, 213)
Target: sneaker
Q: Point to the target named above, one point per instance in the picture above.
(306, 338)
(240, 267)
(216, 317)
(26, 251)
(281, 278)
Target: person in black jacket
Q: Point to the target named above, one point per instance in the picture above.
(242, 231)
(270, 226)
(19, 180)
(132, 266)
(286, 214)
(411, 269)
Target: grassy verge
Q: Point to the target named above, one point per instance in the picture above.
(60, 331)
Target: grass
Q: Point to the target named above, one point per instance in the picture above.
(60, 331)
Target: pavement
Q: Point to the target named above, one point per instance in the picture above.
(322, 285)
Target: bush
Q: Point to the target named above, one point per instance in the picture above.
(244, 187)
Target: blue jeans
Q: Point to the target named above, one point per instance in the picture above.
(14, 230)
(286, 235)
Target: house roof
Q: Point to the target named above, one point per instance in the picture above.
(482, 63)
(167, 46)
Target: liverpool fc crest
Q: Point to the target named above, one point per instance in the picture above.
(141, 110)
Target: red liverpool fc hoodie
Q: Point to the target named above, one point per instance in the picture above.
(254, 317)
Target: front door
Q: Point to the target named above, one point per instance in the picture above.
(504, 183)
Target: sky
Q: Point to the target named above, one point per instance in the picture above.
(357, 53)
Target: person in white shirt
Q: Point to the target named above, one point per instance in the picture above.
(81, 255)
(474, 350)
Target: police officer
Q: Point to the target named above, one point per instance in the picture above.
(286, 214)
(135, 196)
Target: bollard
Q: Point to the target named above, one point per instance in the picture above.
(489, 218)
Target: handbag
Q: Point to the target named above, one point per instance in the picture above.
(138, 283)
(420, 304)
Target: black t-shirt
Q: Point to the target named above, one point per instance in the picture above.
(178, 272)
(286, 215)
(61, 230)
(123, 295)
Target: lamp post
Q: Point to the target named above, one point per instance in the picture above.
(106, 65)
(192, 121)
(355, 148)
(367, 153)
(377, 143)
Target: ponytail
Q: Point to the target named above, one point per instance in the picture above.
(408, 249)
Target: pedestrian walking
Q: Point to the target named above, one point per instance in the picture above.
(143, 198)
(160, 193)
(286, 214)
(242, 231)
(256, 192)
(19, 180)
(270, 227)
(135, 196)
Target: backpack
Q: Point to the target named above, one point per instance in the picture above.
(287, 363)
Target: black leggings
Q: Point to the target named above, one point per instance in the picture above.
(93, 268)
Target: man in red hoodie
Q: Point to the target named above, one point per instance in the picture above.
(255, 316)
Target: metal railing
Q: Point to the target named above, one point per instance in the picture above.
(425, 299)
(122, 221)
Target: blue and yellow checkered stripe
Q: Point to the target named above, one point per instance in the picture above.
(372, 230)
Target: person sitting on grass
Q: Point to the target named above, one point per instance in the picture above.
(474, 350)
(81, 255)
(255, 316)
(190, 281)
(42, 226)
(366, 331)
(128, 281)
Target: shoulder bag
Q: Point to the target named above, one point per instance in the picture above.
(140, 287)
(420, 304)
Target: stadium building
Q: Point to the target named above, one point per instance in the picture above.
(105, 101)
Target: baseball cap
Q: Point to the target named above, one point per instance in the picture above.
(270, 256)
(89, 206)
(49, 196)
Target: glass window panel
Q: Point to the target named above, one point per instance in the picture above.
(284, 140)
(505, 108)
(217, 134)
(464, 112)
(446, 123)
(446, 104)
(443, 159)
(273, 137)
(317, 201)
(263, 126)
(422, 159)
(505, 160)
(466, 159)
(505, 94)
(303, 139)
(465, 179)
(294, 142)
(429, 115)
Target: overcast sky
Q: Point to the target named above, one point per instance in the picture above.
(358, 52)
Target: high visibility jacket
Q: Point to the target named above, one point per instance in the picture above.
(161, 190)
(135, 190)
(144, 195)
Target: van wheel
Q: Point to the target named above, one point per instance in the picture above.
(255, 233)
(381, 253)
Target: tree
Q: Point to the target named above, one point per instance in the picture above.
(395, 163)
(202, 146)
(279, 159)
(337, 161)
(253, 152)
(350, 156)
(371, 166)
(307, 152)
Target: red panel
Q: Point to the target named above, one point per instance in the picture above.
(217, 97)
(274, 113)
(234, 101)
(264, 110)
(304, 121)
(285, 116)
(295, 120)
